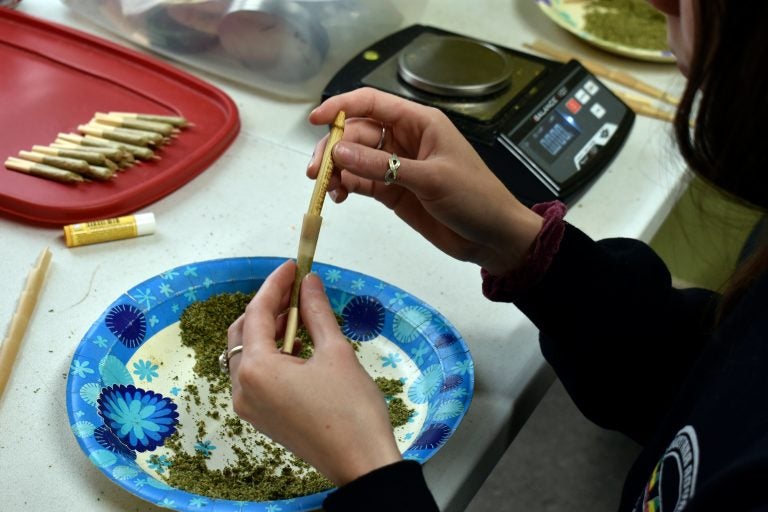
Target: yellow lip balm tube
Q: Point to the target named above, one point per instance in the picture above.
(107, 230)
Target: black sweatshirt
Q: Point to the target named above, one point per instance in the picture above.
(646, 359)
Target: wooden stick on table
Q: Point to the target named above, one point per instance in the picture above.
(598, 69)
(310, 230)
(10, 347)
(645, 108)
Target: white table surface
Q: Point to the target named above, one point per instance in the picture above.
(249, 203)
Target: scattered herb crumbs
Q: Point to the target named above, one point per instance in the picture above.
(246, 479)
(204, 327)
(233, 425)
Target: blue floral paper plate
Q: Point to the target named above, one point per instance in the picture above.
(128, 374)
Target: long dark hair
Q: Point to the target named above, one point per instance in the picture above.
(727, 98)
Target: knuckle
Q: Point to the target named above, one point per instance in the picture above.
(435, 113)
(360, 160)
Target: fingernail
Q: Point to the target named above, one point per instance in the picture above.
(307, 277)
(311, 159)
(341, 151)
(317, 280)
(334, 194)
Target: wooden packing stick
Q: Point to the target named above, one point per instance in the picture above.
(645, 108)
(598, 69)
(310, 230)
(10, 347)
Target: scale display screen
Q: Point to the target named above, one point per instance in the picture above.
(553, 135)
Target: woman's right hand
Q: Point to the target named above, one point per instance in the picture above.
(444, 190)
(326, 410)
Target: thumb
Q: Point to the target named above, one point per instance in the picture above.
(316, 312)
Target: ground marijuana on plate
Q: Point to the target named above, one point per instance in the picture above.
(258, 469)
(632, 23)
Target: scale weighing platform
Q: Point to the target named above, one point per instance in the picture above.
(543, 127)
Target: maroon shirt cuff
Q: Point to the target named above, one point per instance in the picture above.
(507, 287)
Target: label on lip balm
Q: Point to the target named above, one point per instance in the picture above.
(106, 230)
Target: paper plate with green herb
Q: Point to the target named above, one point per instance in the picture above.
(150, 408)
(632, 28)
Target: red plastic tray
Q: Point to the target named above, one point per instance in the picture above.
(55, 78)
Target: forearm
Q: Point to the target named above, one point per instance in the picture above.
(613, 327)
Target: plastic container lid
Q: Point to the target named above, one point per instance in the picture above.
(55, 78)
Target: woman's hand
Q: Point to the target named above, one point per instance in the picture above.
(444, 190)
(327, 410)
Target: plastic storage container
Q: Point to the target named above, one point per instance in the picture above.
(291, 48)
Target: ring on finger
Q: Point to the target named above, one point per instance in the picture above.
(383, 134)
(390, 176)
(226, 356)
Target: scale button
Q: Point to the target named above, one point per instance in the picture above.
(573, 105)
(582, 96)
(591, 87)
(597, 110)
(588, 155)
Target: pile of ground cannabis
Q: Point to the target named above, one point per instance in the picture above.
(632, 23)
(274, 474)
(204, 327)
(399, 412)
(261, 470)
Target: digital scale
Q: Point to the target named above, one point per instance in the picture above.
(545, 128)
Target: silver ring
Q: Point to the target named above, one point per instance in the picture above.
(391, 175)
(383, 134)
(226, 356)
